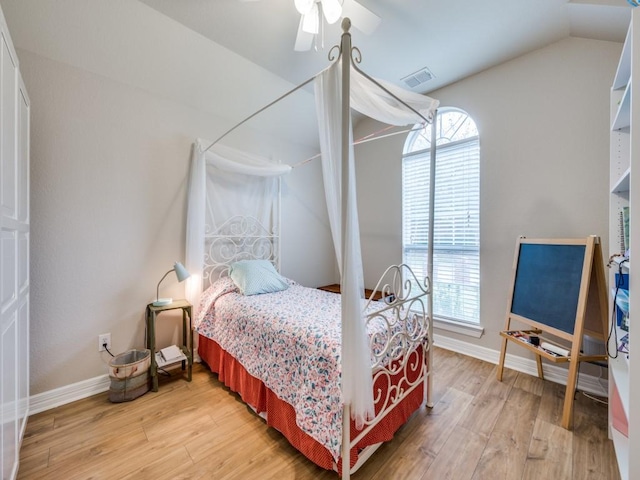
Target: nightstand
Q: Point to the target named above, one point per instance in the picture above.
(187, 343)
(335, 288)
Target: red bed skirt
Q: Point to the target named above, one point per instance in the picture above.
(281, 415)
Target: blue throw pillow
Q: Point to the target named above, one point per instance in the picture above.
(254, 277)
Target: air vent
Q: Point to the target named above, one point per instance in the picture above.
(418, 78)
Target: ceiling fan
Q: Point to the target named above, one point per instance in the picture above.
(312, 11)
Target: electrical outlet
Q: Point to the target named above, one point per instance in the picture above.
(104, 339)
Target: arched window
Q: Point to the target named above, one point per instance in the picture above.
(456, 258)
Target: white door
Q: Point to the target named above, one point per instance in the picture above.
(14, 255)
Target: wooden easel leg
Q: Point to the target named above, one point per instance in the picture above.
(567, 411)
(539, 364)
(503, 353)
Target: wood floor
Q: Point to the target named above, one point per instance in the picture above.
(478, 429)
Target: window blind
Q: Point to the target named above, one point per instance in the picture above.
(456, 259)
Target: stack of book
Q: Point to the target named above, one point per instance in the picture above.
(622, 307)
(624, 231)
(622, 313)
(169, 355)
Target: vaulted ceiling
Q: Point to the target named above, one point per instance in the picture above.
(452, 39)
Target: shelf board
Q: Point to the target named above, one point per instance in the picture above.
(622, 185)
(623, 116)
(623, 72)
(552, 357)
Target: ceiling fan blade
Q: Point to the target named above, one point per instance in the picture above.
(361, 17)
(310, 22)
(304, 6)
(304, 40)
(332, 10)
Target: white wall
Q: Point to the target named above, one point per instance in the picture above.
(543, 120)
(110, 158)
(118, 94)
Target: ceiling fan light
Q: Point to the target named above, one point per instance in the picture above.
(311, 21)
(304, 6)
(332, 10)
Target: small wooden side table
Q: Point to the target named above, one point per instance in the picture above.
(187, 342)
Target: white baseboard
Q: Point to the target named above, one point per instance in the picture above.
(77, 391)
(553, 373)
(67, 394)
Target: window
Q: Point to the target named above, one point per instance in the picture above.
(456, 245)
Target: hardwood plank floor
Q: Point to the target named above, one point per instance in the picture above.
(478, 429)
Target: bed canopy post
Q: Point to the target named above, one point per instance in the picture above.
(432, 199)
(345, 47)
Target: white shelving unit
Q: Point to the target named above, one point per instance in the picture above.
(625, 146)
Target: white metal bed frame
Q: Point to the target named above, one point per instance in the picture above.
(402, 309)
(410, 325)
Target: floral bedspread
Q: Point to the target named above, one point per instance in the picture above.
(290, 340)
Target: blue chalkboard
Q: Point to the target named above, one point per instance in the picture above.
(547, 284)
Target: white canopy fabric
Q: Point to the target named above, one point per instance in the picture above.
(368, 98)
(224, 182)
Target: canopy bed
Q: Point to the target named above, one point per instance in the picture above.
(358, 367)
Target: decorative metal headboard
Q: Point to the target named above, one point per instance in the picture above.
(239, 238)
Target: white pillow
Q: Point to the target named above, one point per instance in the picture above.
(254, 277)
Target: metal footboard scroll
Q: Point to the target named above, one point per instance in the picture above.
(400, 344)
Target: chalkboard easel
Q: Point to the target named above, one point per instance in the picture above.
(558, 288)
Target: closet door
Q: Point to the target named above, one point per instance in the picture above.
(14, 255)
(22, 274)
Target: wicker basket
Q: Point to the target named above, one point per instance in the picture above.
(129, 373)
